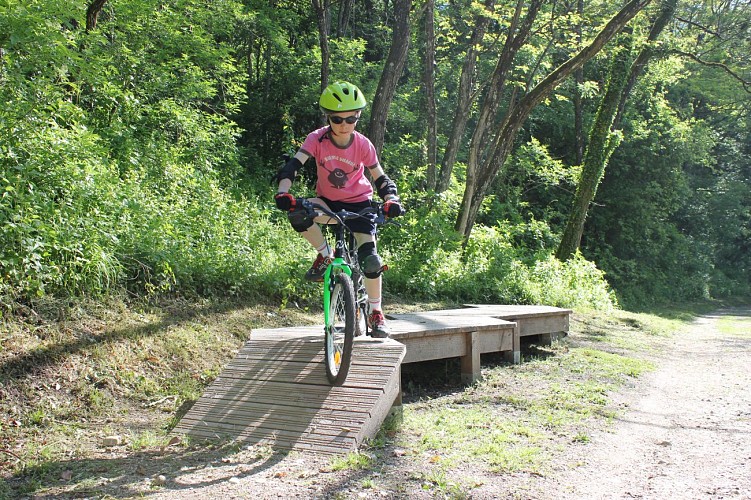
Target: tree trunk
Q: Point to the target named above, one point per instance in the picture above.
(480, 144)
(392, 71)
(600, 149)
(578, 101)
(503, 141)
(429, 84)
(345, 11)
(92, 13)
(602, 142)
(322, 8)
(667, 10)
(464, 99)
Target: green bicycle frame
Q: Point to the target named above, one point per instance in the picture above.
(337, 265)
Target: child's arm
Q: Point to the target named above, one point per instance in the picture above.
(288, 172)
(386, 189)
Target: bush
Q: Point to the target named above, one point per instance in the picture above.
(428, 260)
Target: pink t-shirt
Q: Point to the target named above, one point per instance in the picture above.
(341, 171)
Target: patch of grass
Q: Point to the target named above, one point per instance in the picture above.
(352, 461)
(451, 434)
(519, 416)
(440, 484)
(145, 439)
(739, 327)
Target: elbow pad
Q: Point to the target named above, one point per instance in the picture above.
(385, 186)
(289, 170)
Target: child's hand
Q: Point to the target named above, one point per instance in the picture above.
(393, 208)
(285, 201)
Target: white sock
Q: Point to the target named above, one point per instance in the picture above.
(374, 305)
(324, 250)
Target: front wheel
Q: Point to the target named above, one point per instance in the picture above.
(340, 332)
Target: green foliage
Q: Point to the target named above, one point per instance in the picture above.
(137, 155)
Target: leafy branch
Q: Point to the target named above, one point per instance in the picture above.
(722, 66)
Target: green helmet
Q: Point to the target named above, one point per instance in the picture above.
(342, 96)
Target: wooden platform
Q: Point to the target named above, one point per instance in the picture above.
(275, 391)
(428, 336)
(544, 322)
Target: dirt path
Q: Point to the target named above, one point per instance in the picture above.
(688, 431)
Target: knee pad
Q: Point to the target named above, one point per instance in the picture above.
(371, 263)
(300, 220)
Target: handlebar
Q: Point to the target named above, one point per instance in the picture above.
(313, 208)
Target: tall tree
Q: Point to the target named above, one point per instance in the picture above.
(428, 82)
(392, 71)
(502, 142)
(518, 33)
(323, 15)
(602, 140)
(464, 98)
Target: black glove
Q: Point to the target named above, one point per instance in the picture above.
(285, 201)
(393, 208)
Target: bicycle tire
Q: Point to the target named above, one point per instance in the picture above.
(340, 334)
(361, 302)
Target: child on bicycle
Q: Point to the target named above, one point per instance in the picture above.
(343, 156)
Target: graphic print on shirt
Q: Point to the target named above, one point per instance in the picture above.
(338, 177)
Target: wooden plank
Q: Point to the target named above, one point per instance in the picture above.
(515, 311)
(435, 347)
(222, 405)
(543, 324)
(268, 401)
(496, 341)
(344, 438)
(282, 441)
(420, 324)
(244, 421)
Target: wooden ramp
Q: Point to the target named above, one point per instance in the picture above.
(275, 392)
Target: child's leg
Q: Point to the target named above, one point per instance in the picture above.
(310, 230)
(373, 288)
(372, 285)
(315, 237)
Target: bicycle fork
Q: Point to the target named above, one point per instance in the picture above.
(338, 265)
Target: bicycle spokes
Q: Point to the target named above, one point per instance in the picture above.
(340, 329)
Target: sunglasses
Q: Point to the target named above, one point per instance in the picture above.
(338, 120)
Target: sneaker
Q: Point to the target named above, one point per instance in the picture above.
(377, 325)
(317, 270)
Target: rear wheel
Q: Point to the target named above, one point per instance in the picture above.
(361, 299)
(340, 333)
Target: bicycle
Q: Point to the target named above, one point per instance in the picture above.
(345, 302)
